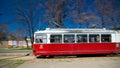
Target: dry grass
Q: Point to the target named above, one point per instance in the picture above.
(10, 63)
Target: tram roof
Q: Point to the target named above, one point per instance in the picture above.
(80, 30)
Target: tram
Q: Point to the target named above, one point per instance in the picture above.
(55, 42)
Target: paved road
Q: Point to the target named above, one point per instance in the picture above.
(14, 51)
(82, 62)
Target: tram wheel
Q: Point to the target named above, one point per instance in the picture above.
(50, 56)
(40, 56)
(112, 54)
(78, 56)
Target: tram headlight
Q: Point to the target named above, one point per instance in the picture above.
(117, 45)
(41, 47)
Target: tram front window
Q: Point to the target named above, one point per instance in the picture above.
(41, 39)
(56, 38)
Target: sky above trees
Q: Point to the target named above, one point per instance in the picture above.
(27, 16)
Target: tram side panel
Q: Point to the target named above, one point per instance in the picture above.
(52, 49)
(97, 48)
(76, 49)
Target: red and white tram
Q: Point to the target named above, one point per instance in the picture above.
(53, 42)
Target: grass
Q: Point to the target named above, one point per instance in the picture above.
(18, 62)
(10, 63)
(20, 48)
(24, 49)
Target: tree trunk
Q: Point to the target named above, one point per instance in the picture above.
(26, 42)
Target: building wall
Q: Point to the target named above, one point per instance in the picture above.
(14, 43)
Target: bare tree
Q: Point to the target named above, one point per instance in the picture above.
(3, 31)
(109, 12)
(27, 14)
(55, 12)
(89, 19)
(16, 35)
(118, 19)
(102, 8)
(113, 12)
(77, 9)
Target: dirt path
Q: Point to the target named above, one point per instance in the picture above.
(82, 62)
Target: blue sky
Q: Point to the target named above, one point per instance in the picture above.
(7, 8)
(8, 11)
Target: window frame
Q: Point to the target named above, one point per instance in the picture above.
(43, 38)
(94, 36)
(82, 38)
(56, 35)
(109, 39)
(74, 37)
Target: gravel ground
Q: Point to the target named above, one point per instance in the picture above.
(60, 62)
(10, 63)
(73, 62)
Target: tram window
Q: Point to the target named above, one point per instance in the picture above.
(41, 39)
(81, 38)
(37, 41)
(94, 38)
(69, 38)
(56, 38)
(106, 38)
